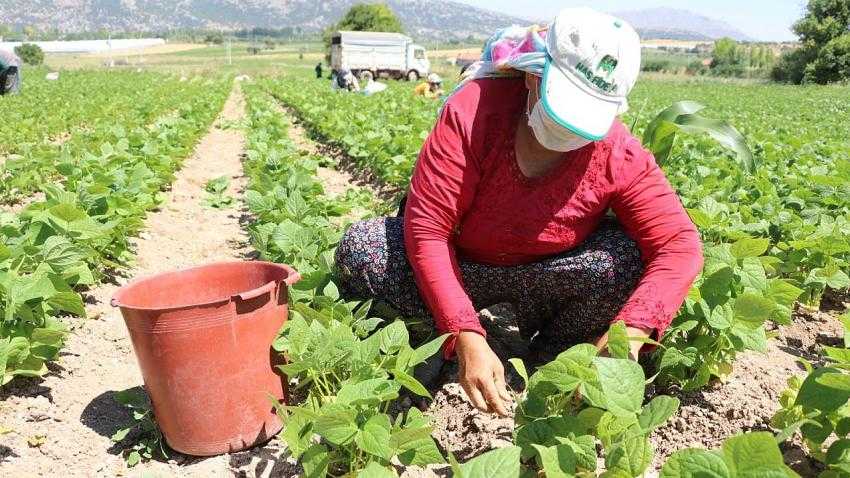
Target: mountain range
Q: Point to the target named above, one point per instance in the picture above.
(422, 19)
(432, 19)
(674, 23)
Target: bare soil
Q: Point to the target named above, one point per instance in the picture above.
(72, 409)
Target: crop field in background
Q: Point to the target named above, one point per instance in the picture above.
(83, 161)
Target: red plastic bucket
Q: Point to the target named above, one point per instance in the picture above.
(203, 339)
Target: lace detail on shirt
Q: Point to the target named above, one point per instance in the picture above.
(560, 209)
(645, 310)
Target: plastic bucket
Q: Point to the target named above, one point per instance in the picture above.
(203, 339)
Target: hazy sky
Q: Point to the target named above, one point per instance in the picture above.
(760, 19)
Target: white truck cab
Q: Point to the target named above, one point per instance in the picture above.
(383, 54)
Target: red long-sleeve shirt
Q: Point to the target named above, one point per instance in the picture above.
(468, 199)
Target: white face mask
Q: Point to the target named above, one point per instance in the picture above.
(550, 134)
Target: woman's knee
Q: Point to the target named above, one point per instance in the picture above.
(361, 245)
(364, 255)
(615, 262)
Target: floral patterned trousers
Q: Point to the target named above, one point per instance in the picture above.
(560, 301)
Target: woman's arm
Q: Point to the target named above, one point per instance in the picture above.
(651, 213)
(442, 189)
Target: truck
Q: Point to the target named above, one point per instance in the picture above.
(383, 54)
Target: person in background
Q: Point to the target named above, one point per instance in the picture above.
(345, 80)
(10, 73)
(529, 191)
(431, 88)
(319, 70)
(372, 87)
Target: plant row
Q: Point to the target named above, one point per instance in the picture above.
(580, 415)
(81, 110)
(60, 245)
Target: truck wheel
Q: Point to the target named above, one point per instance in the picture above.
(412, 75)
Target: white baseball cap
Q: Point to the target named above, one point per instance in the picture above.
(592, 64)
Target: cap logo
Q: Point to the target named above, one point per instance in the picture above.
(597, 80)
(608, 65)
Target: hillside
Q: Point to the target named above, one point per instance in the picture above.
(677, 24)
(433, 19)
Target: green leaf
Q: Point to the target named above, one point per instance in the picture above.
(374, 437)
(70, 302)
(695, 463)
(502, 462)
(297, 432)
(720, 318)
(838, 452)
(121, 434)
(752, 310)
(723, 133)
(657, 412)
(622, 382)
(816, 394)
(715, 288)
(415, 446)
(632, 455)
(749, 247)
(338, 427)
(556, 461)
(545, 432)
(751, 453)
(569, 370)
(426, 351)
(659, 134)
(519, 366)
(752, 274)
(410, 383)
(316, 461)
(367, 392)
(618, 340)
(133, 458)
(393, 337)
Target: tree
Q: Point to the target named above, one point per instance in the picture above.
(30, 54)
(365, 18)
(832, 63)
(823, 56)
(216, 38)
(728, 58)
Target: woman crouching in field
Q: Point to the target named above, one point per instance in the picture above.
(509, 201)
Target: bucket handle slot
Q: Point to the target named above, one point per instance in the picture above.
(253, 294)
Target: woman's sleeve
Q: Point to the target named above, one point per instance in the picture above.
(441, 190)
(651, 213)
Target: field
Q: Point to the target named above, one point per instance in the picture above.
(114, 174)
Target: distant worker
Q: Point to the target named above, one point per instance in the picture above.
(372, 86)
(319, 70)
(10, 74)
(432, 88)
(345, 80)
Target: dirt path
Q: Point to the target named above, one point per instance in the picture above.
(73, 408)
(343, 167)
(334, 181)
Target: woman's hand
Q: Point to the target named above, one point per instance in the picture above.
(634, 345)
(482, 374)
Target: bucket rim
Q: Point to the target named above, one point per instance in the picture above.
(291, 278)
